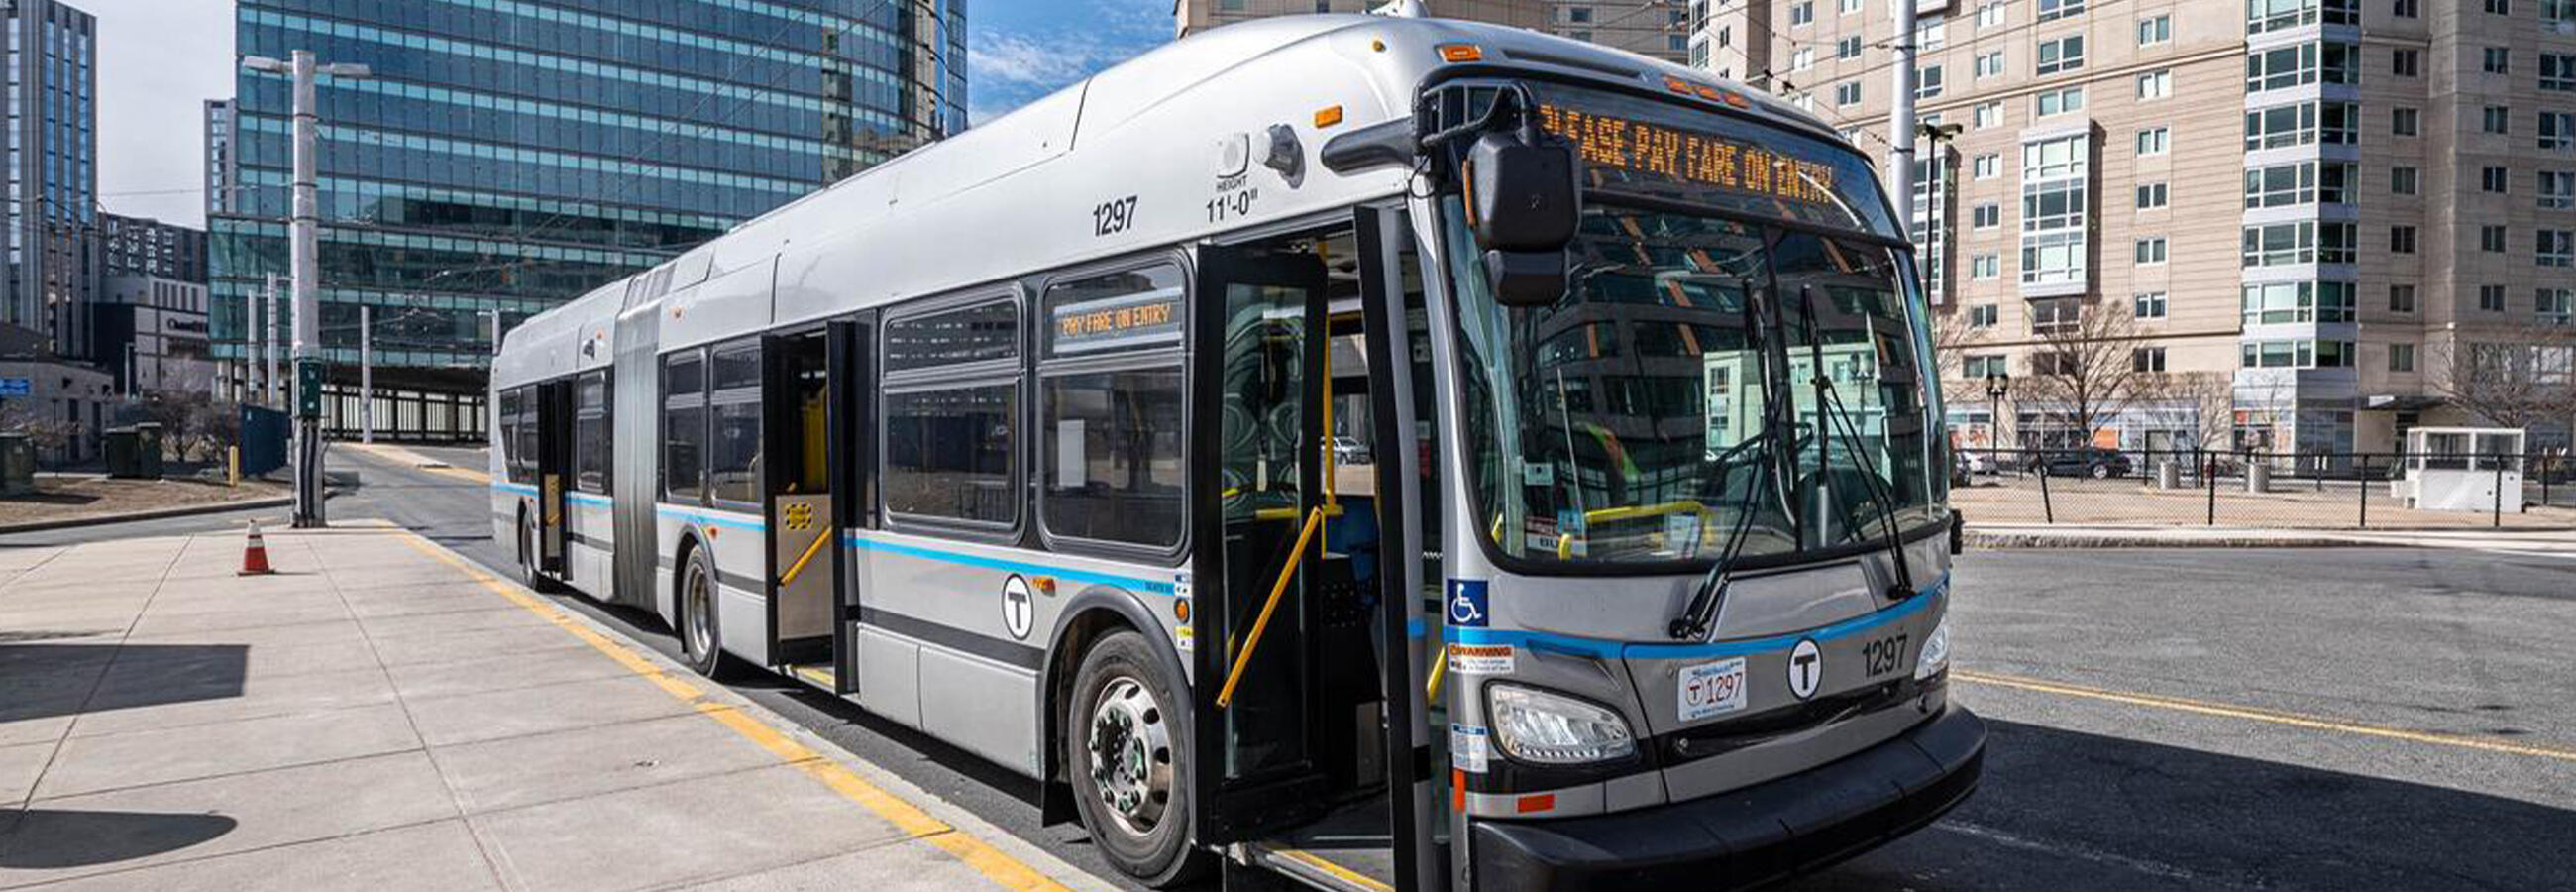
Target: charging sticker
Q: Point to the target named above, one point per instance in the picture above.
(1482, 659)
(1470, 748)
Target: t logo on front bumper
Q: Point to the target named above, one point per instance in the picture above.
(1806, 667)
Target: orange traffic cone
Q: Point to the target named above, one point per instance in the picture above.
(255, 554)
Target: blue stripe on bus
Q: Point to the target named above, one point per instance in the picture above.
(520, 488)
(583, 498)
(1603, 649)
(710, 518)
(990, 563)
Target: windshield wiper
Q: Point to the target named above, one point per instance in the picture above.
(1840, 419)
(1693, 624)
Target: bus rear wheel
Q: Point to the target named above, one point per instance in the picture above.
(701, 639)
(528, 572)
(1127, 752)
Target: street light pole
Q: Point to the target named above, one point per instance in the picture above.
(1900, 116)
(366, 376)
(268, 353)
(307, 277)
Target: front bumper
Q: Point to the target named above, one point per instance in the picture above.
(1750, 836)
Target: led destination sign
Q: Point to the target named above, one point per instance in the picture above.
(1683, 156)
(1126, 321)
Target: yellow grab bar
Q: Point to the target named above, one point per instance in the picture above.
(1252, 643)
(799, 566)
(1633, 512)
(1431, 688)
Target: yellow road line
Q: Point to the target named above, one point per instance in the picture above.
(2224, 710)
(995, 865)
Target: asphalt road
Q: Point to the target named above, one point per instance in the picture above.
(2328, 719)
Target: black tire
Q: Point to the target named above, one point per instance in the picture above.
(2101, 472)
(528, 571)
(1149, 837)
(701, 637)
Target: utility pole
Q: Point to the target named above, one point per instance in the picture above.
(268, 374)
(307, 277)
(366, 376)
(1900, 117)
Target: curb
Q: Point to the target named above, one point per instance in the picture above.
(287, 501)
(2012, 541)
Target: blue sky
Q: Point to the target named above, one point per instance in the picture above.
(1019, 50)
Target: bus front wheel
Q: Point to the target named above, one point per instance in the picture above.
(1127, 753)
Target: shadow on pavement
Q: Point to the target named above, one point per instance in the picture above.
(48, 680)
(2067, 810)
(53, 839)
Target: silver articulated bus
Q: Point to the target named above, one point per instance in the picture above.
(1387, 452)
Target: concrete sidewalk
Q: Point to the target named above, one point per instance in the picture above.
(2112, 536)
(383, 716)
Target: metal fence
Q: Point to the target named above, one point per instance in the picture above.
(2349, 490)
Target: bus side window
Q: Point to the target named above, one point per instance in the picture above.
(951, 410)
(590, 433)
(733, 465)
(1111, 408)
(684, 427)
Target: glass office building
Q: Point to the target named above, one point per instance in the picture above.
(53, 171)
(507, 155)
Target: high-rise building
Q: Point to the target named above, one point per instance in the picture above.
(1658, 28)
(147, 322)
(2309, 224)
(53, 171)
(505, 157)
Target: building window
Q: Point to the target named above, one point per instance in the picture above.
(2298, 182)
(2062, 54)
(1985, 216)
(2151, 196)
(2058, 9)
(1991, 14)
(2155, 85)
(2406, 63)
(2558, 14)
(2054, 102)
(2301, 64)
(2402, 180)
(2301, 123)
(2275, 15)
(1846, 7)
(2401, 298)
(1986, 114)
(2404, 122)
(2555, 247)
(2555, 305)
(2055, 177)
(2298, 354)
(2558, 70)
(1990, 64)
(1986, 266)
(2497, 60)
(1988, 166)
(2301, 242)
(2401, 357)
(2499, 7)
(2492, 179)
(2496, 120)
(2557, 190)
(2148, 304)
(2401, 240)
(2147, 359)
(2289, 303)
(1983, 365)
(2557, 131)
(2055, 314)
(1847, 93)
(1847, 48)
(1927, 82)
(2151, 251)
(2155, 140)
(2491, 298)
(1802, 58)
(2404, 9)
(2153, 31)
(1983, 316)
(2491, 238)
(1802, 13)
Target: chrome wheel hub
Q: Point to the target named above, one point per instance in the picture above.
(702, 636)
(1131, 755)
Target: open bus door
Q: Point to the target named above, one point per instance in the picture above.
(554, 472)
(804, 567)
(1307, 736)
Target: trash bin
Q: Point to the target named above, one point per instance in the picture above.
(2258, 477)
(121, 453)
(147, 450)
(2168, 474)
(17, 464)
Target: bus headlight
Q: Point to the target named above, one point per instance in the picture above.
(1936, 652)
(1554, 729)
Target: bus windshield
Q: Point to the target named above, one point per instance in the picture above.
(1671, 400)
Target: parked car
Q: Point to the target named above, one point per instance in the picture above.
(1977, 462)
(2090, 461)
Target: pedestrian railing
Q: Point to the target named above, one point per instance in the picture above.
(2305, 490)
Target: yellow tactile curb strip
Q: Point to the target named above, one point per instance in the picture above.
(2294, 720)
(996, 865)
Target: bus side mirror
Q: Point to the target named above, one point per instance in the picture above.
(1524, 203)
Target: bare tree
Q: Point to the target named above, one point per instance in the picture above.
(2519, 376)
(45, 432)
(2085, 373)
(2210, 397)
(193, 425)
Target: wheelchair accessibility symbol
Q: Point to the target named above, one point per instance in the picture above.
(1467, 603)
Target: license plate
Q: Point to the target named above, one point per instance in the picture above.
(1712, 689)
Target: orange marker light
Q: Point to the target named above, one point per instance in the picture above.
(1181, 610)
(1738, 100)
(1706, 92)
(1046, 585)
(1461, 52)
(1539, 802)
(1328, 116)
(1677, 85)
